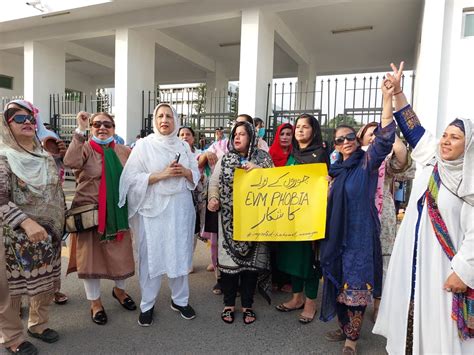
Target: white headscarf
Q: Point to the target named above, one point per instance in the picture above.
(458, 175)
(153, 154)
(30, 167)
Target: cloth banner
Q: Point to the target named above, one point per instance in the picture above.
(280, 204)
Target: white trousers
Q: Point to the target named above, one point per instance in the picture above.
(92, 287)
(150, 287)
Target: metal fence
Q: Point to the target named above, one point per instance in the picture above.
(354, 100)
(6, 99)
(197, 107)
(63, 109)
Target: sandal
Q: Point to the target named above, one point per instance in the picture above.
(48, 335)
(305, 320)
(282, 308)
(227, 315)
(128, 303)
(217, 289)
(60, 298)
(25, 348)
(249, 314)
(335, 335)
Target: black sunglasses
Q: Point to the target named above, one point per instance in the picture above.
(20, 119)
(106, 124)
(350, 138)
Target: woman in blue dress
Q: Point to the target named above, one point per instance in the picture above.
(351, 253)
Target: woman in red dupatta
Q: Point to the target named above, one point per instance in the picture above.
(280, 150)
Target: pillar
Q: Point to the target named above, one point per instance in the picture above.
(256, 62)
(134, 72)
(217, 85)
(45, 74)
(305, 94)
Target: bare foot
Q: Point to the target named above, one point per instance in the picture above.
(296, 301)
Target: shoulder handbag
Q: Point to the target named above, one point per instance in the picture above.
(82, 218)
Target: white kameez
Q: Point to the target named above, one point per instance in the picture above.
(162, 213)
(434, 332)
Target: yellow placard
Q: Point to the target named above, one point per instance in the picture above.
(280, 204)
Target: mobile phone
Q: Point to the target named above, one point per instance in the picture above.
(176, 157)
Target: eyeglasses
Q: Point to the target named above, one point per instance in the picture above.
(106, 124)
(340, 140)
(21, 119)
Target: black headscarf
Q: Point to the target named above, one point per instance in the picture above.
(314, 152)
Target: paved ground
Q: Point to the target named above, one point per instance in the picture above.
(272, 333)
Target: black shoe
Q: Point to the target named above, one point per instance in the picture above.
(128, 303)
(187, 312)
(48, 335)
(25, 348)
(146, 318)
(100, 317)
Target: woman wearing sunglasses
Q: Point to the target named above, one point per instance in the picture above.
(32, 221)
(351, 254)
(105, 251)
(299, 259)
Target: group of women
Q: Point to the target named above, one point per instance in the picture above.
(147, 194)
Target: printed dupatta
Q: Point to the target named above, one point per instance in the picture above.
(463, 303)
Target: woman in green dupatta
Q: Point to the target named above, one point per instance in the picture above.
(104, 252)
(298, 259)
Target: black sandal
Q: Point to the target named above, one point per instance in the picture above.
(250, 314)
(25, 348)
(100, 317)
(128, 303)
(228, 313)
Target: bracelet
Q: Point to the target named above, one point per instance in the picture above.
(401, 91)
(213, 196)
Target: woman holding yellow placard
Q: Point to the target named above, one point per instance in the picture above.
(243, 262)
(298, 259)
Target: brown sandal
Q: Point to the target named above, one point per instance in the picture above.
(60, 298)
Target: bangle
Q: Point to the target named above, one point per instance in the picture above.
(401, 91)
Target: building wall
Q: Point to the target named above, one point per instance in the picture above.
(12, 65)
(444, 75)
(80, 82)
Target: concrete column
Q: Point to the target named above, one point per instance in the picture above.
(217, 84)
(134, 72)
(45, 74)
(256, 62)
(444, 72)
(305, 94)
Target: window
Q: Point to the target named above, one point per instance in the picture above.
(468, 21)
(6, 82)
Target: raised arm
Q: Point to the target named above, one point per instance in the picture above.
(384, 133)
(76, 154)
(405, 116)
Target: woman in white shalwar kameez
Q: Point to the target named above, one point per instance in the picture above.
(415, 313)
(161, 211)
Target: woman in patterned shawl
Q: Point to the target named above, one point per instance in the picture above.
(32, 220)
(238, 261)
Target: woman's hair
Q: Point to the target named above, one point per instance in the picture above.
(459, 124)
(317, 137)
(363, 131)
(186, 127)
(102, 114)
(343, 126)
(248, 118)
(257, 121)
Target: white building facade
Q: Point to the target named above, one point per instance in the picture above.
(132, 46)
